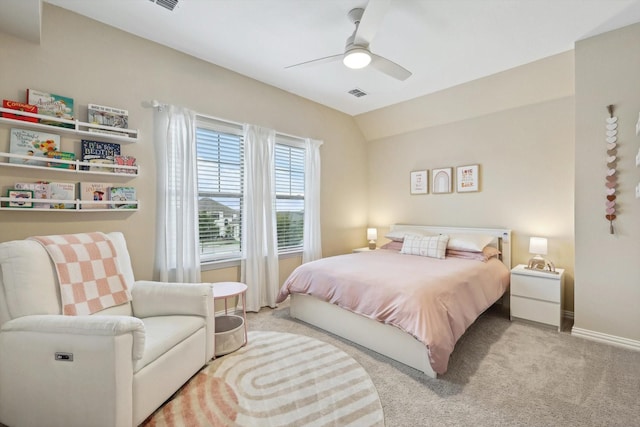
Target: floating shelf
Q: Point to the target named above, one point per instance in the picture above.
(103, 133)
(74, 166)
(77, 205)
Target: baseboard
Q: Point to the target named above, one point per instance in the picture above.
(606, 338)
(567, 314)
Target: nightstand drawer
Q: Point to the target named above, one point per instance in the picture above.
(538, 311)
(536, 287)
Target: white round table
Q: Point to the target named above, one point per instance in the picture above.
(224, 290)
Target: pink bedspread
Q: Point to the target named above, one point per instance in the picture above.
(433, 300)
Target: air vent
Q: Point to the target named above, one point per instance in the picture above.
(167, 4)
(357, 92)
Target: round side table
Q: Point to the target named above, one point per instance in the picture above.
(224, 290)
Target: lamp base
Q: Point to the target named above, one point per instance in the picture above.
(372, 245)
(538, 263)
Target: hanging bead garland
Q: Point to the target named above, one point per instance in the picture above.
(612, 179)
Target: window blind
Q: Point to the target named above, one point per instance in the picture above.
(289, 203)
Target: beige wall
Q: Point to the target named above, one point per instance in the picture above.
(607, 272)
(94, 63)
(520, 133)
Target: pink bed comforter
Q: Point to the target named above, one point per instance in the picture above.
(433, 300)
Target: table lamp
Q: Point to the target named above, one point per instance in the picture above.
(372, 236)
(538, 247)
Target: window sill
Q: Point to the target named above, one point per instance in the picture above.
(229, 263)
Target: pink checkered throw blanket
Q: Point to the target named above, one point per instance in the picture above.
(88, 273)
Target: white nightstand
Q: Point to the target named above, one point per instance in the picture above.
(537, 295)
(365, 249)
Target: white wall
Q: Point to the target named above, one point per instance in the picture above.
(516, 126)
(607, 271)
(94, 63)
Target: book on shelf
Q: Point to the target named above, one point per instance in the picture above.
(107, 116)
(63, 191)
(97, 153)
(22, 198)
(124, 161)
(94, 191)
(32, 143)
(123, 195)
(15, 105)
(41, 191)
(50, 104)
(61, 155)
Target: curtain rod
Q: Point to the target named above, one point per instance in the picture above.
(157, 104)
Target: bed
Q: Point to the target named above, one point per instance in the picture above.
(421, 305)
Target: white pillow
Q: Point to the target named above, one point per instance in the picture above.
(398, 236)
(469, 242)
(429, 246)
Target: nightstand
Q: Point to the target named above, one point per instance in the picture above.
(365, 249)
(537, 295)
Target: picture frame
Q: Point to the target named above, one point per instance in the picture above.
(467, 178)
(20, 194)
(441, 181)
(419, 182)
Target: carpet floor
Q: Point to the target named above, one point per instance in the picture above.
(501, 373)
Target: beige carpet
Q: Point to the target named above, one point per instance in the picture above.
(278, 379)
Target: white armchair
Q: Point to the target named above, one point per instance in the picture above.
(112, 368)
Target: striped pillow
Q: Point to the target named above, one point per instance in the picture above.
(429, 246)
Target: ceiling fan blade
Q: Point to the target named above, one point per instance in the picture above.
(324, 60)
(389, 68)
(370, 22)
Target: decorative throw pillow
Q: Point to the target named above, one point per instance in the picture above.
(392, 246)
(429, 246)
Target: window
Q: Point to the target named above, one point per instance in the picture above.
(220, 151)
(289, 176)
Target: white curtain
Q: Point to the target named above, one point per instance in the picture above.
(312, 241)
(259, 235)
(177, 254)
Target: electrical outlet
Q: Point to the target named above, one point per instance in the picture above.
(638, 191)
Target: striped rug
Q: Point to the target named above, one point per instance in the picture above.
(278, 379)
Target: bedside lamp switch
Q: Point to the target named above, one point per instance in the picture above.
(64, 357)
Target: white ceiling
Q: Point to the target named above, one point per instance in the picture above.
(443, 42)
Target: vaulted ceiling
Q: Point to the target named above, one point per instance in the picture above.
(443, 43)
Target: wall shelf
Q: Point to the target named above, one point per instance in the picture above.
(76, 203)
(77, 164)
(83, 129)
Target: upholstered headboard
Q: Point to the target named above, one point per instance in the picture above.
(502, 236)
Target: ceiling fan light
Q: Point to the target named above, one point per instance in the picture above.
(357, 58)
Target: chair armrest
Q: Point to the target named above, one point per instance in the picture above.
(95, 325)
(169, 299)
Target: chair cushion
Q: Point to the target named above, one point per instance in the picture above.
(165, 332)
(30, 281)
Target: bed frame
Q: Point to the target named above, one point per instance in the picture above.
(385, 339)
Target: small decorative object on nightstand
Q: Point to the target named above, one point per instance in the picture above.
(537, 295)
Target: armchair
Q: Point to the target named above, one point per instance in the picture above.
(112, 368)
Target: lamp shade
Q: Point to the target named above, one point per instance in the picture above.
(356, 58)
(538, 245)
(372, 234)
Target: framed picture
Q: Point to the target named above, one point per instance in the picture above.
(441, 181)
(419, 182)
(22, 195)
(467, 178)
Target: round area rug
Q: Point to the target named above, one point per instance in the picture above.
(277, 379)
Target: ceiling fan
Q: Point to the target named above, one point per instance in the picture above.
(357, 53)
